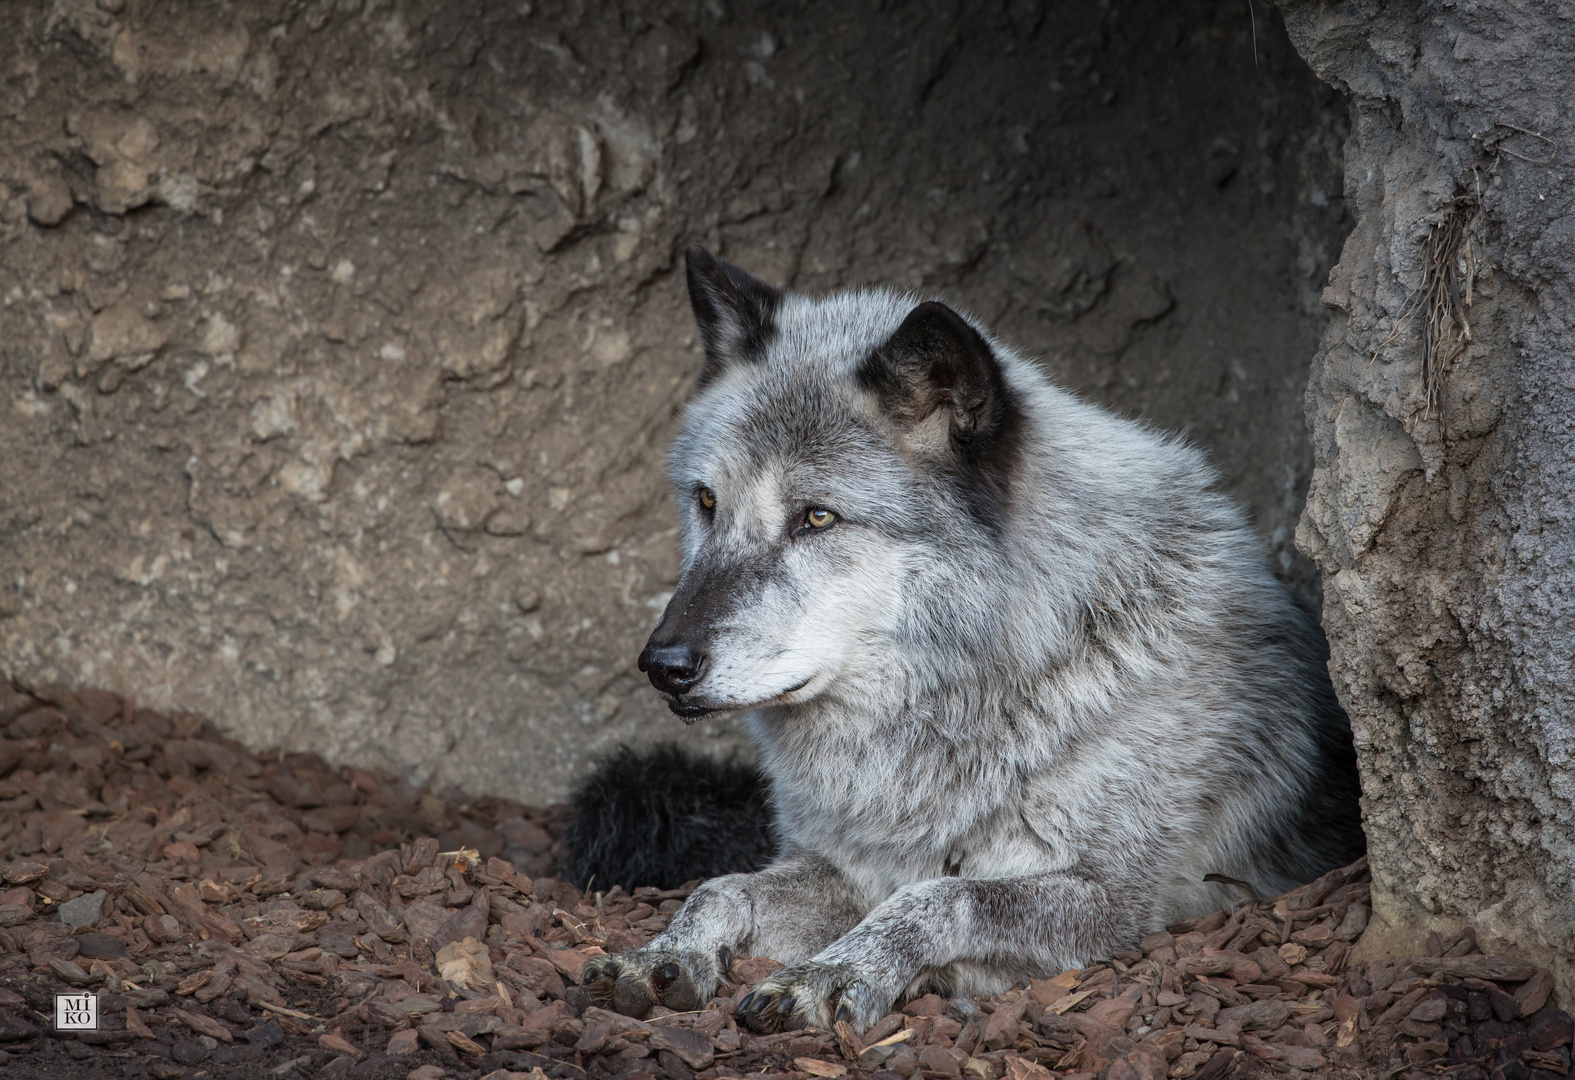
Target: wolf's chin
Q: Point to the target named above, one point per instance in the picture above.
(689, 712)
(692, 711)
(786, 698)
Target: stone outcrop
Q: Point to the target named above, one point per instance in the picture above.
(1442, 509)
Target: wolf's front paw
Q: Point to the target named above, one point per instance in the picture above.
(632, 983)
(815, 994)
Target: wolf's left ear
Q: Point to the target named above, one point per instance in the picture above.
(735, 313)
(935, 361)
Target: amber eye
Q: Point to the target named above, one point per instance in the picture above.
(819, 519)
(708, 498)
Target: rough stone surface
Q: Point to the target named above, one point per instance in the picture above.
(84, 910)
(1446, 537)
(341, 342)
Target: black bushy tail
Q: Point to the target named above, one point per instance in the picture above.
(662, 817)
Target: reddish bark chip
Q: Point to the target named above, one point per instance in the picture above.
(1115, 1012)
(135, 1025)
(572, 961)
(749, 970)
(1533, 994)
(1303, 1057)
(692, 1047)
(1047, 991)
(465, 923)
(465, 1044)
(938, 1059)
(204, 1025)
(506, 872)
(1551, 1028)
(1020, 1068)
(1000, 1031)
(403, 1042)
(337, 1043)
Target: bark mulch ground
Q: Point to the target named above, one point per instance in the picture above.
(262, 916)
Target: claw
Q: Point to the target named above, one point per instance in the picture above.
(724, 960)
(598, 982)
(843, 1014)
(764, 1012)
(667, 973)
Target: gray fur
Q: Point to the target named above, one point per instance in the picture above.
(1033, 684)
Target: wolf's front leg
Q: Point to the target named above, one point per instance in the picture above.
(788, 911)
(978, 935)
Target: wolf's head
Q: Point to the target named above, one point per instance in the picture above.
(843, 460)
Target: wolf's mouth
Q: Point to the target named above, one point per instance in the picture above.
(691, 711)
(688, 710)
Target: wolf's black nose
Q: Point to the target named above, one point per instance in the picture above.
(674, 669)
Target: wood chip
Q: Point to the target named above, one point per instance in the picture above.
(69, 971)
(847, 1041)
(1534, 994)
(282, 1011)
(1221, 1038)
(24, 871)
(572, 961)
(193, 982)
(204, 1025)
(135, 1025)
(1071, 1001)
(1046, 991)
(403, 1042)
(466, 963)
(465, 1045)
(816, 1067)
(899, 1037)
(1001, 1029)
(337, 1043)
(1020, 1068)
(1494, 968)
(693, 1047)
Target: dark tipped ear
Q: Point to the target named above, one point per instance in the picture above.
(735, 313)
(934, 361)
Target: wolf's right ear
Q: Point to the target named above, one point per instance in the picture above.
(734, 312)
(937, 361)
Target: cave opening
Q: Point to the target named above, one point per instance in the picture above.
(360, 328)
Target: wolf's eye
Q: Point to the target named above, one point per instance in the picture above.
(708, 498)
(817, 518)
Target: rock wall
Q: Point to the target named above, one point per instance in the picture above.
(1442, 509)
(341, 340)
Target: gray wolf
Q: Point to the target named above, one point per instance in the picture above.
(1018, 674)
